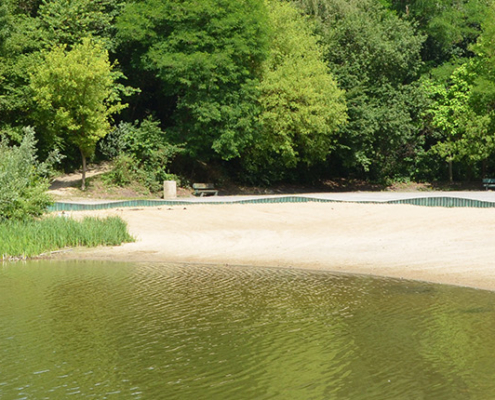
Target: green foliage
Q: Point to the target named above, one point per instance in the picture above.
(366, 42)
(66, 22)
(484, 47)
(243, 83)
(76, 93)
(4, 28)
(207, 56)
(448, 113)
(14, 43)
(451, 26)
(462, 134)
(141, 153)
(301, 105)
(375, 58)
(125, 171)
(23, 190)
(25, 7)
(5, 23)
(484, 64)
(28, 27)
(34, 237)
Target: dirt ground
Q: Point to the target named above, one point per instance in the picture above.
(443, 245)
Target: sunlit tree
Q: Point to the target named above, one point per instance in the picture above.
(76, 93)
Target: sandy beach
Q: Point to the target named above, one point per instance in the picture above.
(443, 245)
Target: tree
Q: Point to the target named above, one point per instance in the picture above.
(66, 22)
(302, 107)
(16, 43)
(5, 23)
(205, 57)
(375, 58)
(29, 26)
(75, 94)
(451, 26)
(485, 58)
(464, 134)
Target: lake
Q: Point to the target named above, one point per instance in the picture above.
(93, 330)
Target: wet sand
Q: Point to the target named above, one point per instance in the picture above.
(442, 245)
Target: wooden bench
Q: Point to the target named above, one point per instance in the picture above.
(201, 189)
(489, 183)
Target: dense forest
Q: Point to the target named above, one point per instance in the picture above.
(264, 91)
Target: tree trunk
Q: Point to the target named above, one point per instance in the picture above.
(83, 184)
(451, 175)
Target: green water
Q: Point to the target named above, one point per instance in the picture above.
(136, 331)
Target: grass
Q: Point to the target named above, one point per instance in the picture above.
(24, 239)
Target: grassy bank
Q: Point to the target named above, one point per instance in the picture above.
(21, 239)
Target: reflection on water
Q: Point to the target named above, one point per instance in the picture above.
(135, 331)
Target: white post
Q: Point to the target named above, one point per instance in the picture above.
(169, 189)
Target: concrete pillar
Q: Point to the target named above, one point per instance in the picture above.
(169, 189)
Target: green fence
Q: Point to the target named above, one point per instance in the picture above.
(445, 202)
(421, 201)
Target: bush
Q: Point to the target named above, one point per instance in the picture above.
(23, 189)
(141, 153)
(125, 170)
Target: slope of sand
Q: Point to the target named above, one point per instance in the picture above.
(444, 245)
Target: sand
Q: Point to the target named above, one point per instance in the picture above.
(443, 245)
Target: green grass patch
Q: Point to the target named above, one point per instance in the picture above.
(23, 239)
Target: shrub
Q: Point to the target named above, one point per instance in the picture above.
(23, 188)
(141, 152)
(125, 170)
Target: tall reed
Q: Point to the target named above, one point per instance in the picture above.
(22, 239)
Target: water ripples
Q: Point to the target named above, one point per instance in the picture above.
(148, 331)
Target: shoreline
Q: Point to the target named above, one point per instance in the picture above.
(454, 246)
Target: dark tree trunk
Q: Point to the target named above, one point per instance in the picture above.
(451, 175)
(83, 184)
